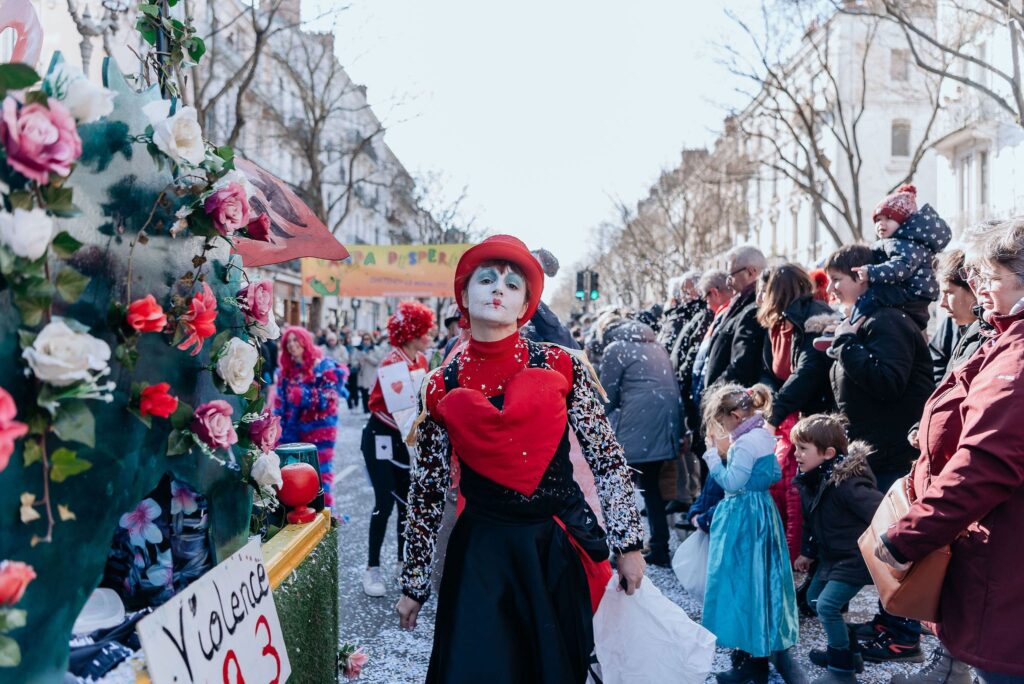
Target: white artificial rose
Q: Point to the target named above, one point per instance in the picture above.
(235, 176)
(237, 365)
(61, 357)
(178, 136)
(86, 100)
(266, 470)
(27, 233)
(270, 331)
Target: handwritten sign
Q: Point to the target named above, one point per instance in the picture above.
(222, 629)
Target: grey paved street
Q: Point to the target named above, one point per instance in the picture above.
(398, 656)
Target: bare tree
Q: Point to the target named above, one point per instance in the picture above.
(441, 219)
(807, 110)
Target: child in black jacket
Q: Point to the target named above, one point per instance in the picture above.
(839, 497)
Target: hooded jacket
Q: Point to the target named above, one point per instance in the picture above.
(643, 397)
(908, 254)
(839, 499)
(968, 491)
(807, 389)
(881, 380)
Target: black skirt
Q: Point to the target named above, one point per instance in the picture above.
(513, 607)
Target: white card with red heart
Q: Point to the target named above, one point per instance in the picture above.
(397, 385)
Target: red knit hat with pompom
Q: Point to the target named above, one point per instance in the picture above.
(898, 206)
(820, 280)
(411, 320)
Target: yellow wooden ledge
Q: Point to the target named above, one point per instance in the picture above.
(282, 554)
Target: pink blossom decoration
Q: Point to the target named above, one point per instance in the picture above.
(265, 431)
(139, 523)
(229, 208)
(39, 139)
(354, 663)
(211, 424)
(257, 301)
(183, 499)
(10, 429)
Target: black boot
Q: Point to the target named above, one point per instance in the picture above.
(820, 658)
(840, 668)
(745, 670)
(788, 668)
(658, 557)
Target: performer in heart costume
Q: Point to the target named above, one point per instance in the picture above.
(384, 451)
(527, 561)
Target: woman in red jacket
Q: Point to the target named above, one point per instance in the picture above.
(968, 485)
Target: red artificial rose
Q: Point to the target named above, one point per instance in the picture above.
(199, 321)
(14, 579)
(155, 401)
(265, 432)
(211, 423)
(259, 228)
(229, 208)
(145, 315)
(10, 429)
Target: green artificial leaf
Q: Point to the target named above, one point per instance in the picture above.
(219, 341)
(150, 9)
(252, 393)
(225, 152)
(145, 420)
(65, 463)
(12, 618)
(16, 76)
(75, 423)
(64, 245)
(10, 654)
(26, 338)
(126, 354)
(179, 442)
(21, 199)
(58, 200)
(37, 97)
(71, 284)
(196, 48)
(257, 405)
(32, 452)
(32, 308)
(182, 416)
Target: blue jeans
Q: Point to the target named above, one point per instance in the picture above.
(828, 597)
(996, 678)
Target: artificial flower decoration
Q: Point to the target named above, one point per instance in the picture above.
(183, 499)
(257, 301)
(61, 356)
(199, 321)
(179, 135)
(26, 233)
(236, 365)
(259, 228)
(266, 470)
(139, 523)
(145, 315)
(156, 401)
(10, 429)
(15, 577)
(86, 101)
(265, 431)
(211, 424)
(270, 331)
(39, 139)
(228, 207)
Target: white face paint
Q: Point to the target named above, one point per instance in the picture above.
(495, 296)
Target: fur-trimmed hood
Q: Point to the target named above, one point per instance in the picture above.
(817, 324)
(854, 463)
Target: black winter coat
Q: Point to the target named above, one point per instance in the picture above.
(839, 498)
(675, 319)
(881, 380)
(807, 389)
(737, 345)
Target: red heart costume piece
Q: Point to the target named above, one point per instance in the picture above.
(397, 386)
(513, 446)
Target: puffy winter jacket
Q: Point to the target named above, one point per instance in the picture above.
(881, 380)
(643, 398)
(908, 254)
(839, 499)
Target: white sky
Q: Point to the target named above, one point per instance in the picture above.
(546, 109)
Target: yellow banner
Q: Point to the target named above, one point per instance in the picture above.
(385, 271)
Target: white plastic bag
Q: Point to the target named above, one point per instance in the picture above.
(690, 564)
(646, 638)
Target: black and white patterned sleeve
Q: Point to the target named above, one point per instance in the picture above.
(607, 461)
(430, 480)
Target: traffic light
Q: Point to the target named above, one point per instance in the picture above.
(580, 285)
(595, 290)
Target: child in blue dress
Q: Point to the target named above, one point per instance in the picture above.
(750, 601)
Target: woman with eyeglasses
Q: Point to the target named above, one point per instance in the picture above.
(968, 485)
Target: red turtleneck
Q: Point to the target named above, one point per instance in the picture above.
(488, 366)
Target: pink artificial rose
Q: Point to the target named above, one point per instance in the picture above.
(39, 139)
(257, 301)
(229, 208)
(354, 664)
(211, 423)
(10, 429)
(265, 432)
(14, 579)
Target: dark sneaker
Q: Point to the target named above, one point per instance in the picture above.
(867, 631)
(885, 648)
(820, 658)
(745, 670)
(823, 342)
(941, 669)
